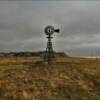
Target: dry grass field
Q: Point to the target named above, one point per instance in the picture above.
(65, 79)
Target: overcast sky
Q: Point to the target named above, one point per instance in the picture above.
(22, 26)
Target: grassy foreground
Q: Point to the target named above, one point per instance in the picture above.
(67, 79)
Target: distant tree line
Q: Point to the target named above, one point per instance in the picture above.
(28, 54)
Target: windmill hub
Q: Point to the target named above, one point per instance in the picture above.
(49, 30)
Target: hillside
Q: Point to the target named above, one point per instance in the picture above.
(67, 79)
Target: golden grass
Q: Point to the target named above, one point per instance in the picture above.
(65, 79)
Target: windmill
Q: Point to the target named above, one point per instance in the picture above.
(49, 54)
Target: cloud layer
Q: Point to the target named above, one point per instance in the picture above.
(22, 26)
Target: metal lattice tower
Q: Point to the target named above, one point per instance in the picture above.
(49, 54)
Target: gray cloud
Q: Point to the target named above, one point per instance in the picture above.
(22, 24)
